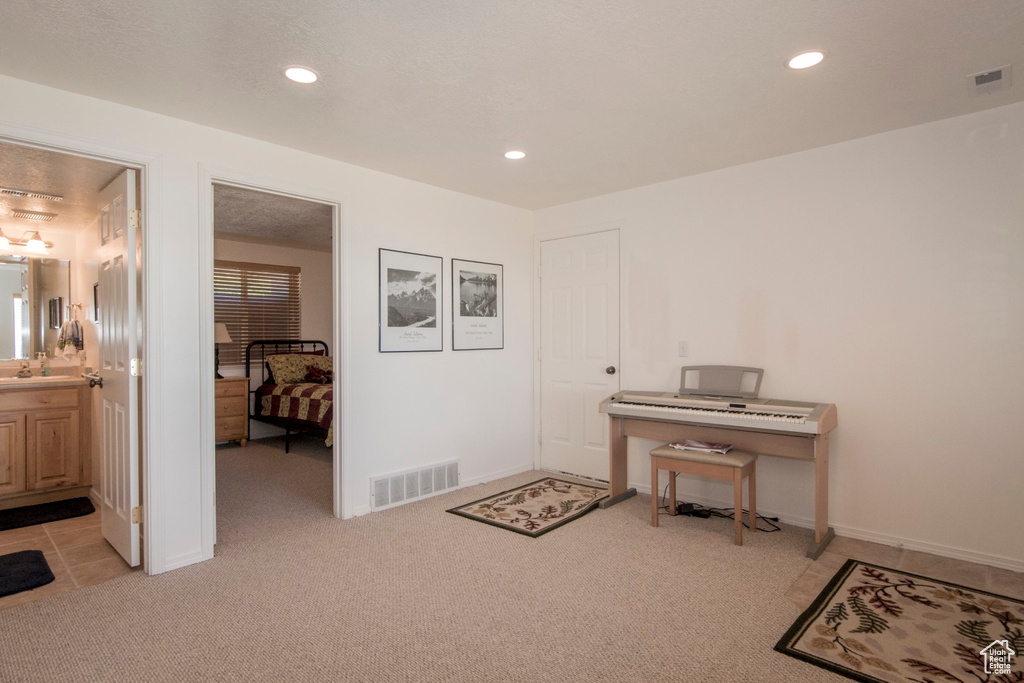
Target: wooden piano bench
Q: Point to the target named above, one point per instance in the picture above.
(734, 466)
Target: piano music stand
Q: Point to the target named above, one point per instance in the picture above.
(720, 381)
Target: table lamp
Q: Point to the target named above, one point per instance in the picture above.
(220, 336)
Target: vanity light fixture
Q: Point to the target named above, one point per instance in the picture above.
(30, 241)
(806, 59)
(301, 74)
(515, 154)
(36, 244)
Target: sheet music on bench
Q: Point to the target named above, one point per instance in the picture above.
(721, 403)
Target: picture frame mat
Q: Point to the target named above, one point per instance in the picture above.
(405, 274)
(477, 305)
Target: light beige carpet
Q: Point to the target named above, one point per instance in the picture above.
(417, 594)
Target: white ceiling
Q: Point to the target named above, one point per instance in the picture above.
(603, 95)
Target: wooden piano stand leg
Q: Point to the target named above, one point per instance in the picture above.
(617, 478)
(823, 533)
(654, 491)
(752, 496)
(671, 492)
(737, 513)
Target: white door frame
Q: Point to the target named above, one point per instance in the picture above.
(208, 175)
(149, 167)
(556, 234)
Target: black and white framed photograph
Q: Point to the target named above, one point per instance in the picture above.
(477, 301)
(410, 301)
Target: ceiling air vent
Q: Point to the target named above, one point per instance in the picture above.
(33, 215)
(990, 81)
(14, 192)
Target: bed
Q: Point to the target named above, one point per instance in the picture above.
(296, 390)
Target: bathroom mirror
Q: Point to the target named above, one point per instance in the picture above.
(28, 287)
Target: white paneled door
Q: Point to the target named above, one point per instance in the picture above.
(579, 291)
(118, 298)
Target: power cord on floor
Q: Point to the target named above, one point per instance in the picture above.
(697, 510)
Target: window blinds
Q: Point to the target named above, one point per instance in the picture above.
(255, 301)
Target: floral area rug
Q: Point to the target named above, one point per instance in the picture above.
(535, 508)
(877, 624)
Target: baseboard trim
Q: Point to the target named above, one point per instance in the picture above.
(932, 548)
(495, 475)
(871, 536)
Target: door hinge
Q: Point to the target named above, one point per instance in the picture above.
(137, 515)
(136, 367)
(540, 440)
(135, 218)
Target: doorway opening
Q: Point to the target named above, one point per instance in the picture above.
(72, 305)
(275, 269)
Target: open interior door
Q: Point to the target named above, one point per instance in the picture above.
(118, 341)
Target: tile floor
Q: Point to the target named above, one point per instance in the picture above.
(75, 550)
(981, 576)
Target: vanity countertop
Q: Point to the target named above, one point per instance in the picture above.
(39, 382)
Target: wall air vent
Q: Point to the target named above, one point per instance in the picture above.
(389, 490)
(990, 81)
(14, 192)
(33, 215)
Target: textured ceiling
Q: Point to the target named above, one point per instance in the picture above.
(253, 216)
(603, 95)
(75, 178)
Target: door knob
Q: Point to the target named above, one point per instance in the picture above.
(610, 369)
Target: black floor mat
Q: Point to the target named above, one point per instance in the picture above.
(23, 571)
(45, 512)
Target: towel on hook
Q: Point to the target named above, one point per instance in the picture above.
(70, 340)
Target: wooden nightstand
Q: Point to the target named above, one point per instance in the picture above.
(231, 399)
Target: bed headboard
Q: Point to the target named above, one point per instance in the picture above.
(258, 350)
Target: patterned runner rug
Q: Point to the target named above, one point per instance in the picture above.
(536, 508)
(872, 623)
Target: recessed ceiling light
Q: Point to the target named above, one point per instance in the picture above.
(515, 155)
(806, 59)
(300, 74)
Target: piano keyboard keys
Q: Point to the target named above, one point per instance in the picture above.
(761, 416)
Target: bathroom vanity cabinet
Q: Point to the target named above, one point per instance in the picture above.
(45, 441)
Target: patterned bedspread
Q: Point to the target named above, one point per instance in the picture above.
(306, 402)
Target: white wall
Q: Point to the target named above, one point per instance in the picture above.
(407, 409)
(885, 275)
(317, 299)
